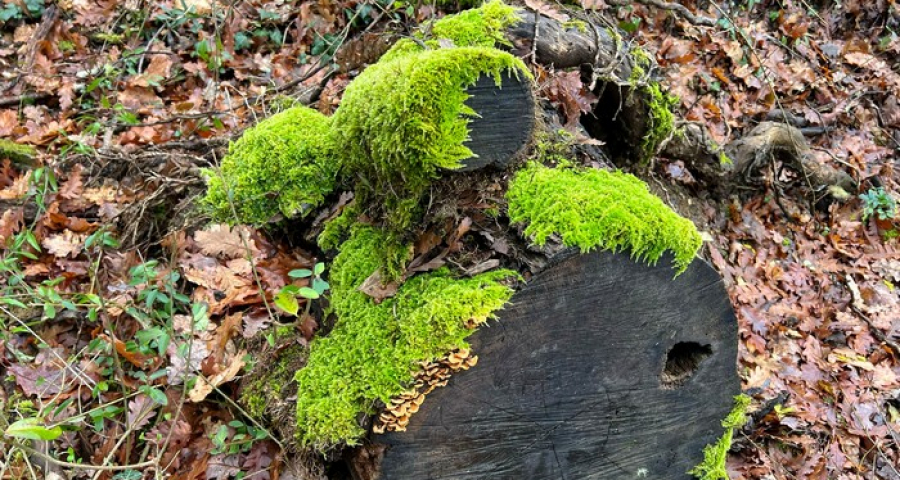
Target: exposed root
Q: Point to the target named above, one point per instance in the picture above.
(768, 141)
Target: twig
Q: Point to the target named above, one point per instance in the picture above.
(61, 463)
(676, 7)
(25, 97)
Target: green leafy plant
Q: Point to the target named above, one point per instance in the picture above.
(879, 203)
(235, 437)
(286, 299)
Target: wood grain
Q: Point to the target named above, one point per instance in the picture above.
(570, 380)
(505, 123)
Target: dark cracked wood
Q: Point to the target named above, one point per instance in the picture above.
(503, 128)
(574, 382)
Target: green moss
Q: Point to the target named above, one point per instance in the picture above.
(282, 165)
(599, 209)
(260, 392)
(662, 120)
(17, 152)
(480, 27)
(373, 350)
(402, 121)
(714, 456)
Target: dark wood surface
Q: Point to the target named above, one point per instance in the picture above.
(572, 382)
(505, 123)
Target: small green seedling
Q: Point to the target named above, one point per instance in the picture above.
(286, 299)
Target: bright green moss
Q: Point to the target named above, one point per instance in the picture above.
(404, 118)
(282, 165)
(401, 121)
(714, 456)
(17, 152)
(662, 120)
(373, 350)
(480, 27)
(599, 209)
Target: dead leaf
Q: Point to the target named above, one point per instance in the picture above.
(140, 411)
(222, 240)
(205, 386)
(64, 244)
(12, 220)
(375, 287)
(159, 70)
(547, 10)
(568, 93)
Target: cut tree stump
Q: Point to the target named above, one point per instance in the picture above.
(503, 128)
(599, 368)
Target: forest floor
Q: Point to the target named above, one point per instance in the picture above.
(111, 297)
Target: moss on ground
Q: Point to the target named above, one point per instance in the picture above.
(591, 208)
(269, 385)
(16, 152)
(714, 456)
(374, 349)
(284, 165)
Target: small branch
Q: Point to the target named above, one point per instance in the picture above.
(25, 97)
(61, 463)
(676, 7)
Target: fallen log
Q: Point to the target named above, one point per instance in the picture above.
(600, 367)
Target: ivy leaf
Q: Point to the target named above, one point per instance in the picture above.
(288, 302)
(28, 428)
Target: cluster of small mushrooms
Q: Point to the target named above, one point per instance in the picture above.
(431, 375)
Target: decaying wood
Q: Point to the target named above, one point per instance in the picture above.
(599, 368)
(770, 140)
(568, 46)
(505, 122)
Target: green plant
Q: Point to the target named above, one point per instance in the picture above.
(286, 299)
(12, 10)
(235, 437)
(879, 203)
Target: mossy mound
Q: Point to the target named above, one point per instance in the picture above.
(285, 165)
(374, 349)
(591, 208)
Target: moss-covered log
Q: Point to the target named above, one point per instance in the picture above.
(432, 246)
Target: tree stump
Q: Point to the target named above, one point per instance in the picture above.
(600, 368)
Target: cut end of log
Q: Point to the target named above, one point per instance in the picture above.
(503, 128)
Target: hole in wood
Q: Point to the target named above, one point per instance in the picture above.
(682, 361)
